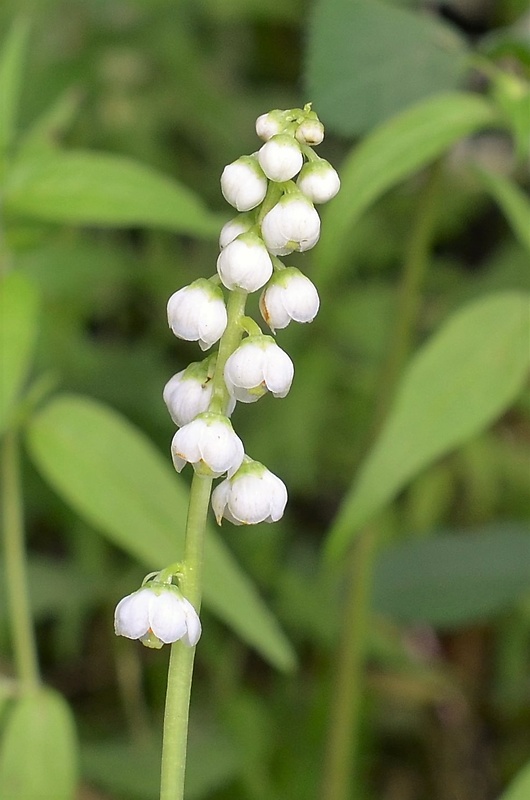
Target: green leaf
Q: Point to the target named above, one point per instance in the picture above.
(38, 759)
(88, 188)
(519, 789)
(457, 384)
(111, 474)
(19, 308)
(367, 60)
(513, 202)
(393, 152)
(456, 579)
(11, 64)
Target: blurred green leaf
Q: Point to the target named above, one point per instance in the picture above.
(38, 760)
(456, 579)
(513, 202)
(11, 65)
(19, 306)
(455, 386)
(114, 478)
(519, 789)
(393, 152)
(89, 188)
(367, 60)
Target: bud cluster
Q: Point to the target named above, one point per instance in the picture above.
(275, 190)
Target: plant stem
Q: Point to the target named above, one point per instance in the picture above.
(341, 770)
(16, 567)
(181, 659)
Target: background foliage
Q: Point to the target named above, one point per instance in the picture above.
(118, 117)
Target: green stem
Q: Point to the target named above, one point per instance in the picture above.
(181, 659)
(16, 567)
(341, 774)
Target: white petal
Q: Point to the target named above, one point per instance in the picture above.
(249, 499)
(131, 618)
(167, 618)
(278, 371)
(193, 624)
(220, 497)
(245, 366)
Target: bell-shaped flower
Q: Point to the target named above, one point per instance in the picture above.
(252, 495)
(318, 181)
(292, 224)
(310, 131)
(288, 295)
(188, 393)
(257, 366)
(197, 313)
(281, 158)
(157, 614)
(210, 444)
(244, 263)
(240, 224)
(243, 183)
(270, 124)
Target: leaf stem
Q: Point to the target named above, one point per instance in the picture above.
(341, 774)
(16, 566)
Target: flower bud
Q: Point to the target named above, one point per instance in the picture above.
(244, 263)
(209, 444)
(318, 181)
(256, 366)
(198, 313)
(252, 495)
(292, 224)
(157, 614)
(240, 224)
(310, 131)
(288, 295)
(243, 183)
(269, 125)
(280, 158)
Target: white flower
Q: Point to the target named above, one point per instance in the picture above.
(209, 444)
(318, 181)
(310, 131)
(188, 393)
(244, 263)
(198, 313)
(280, 158)
(289, 295)
(256, 366)
(157, 614)
(268, 125)
(240, 224)
(243, 183)
(252, 495)
(292, 224)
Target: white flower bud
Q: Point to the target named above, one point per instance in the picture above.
(318, 181)
(281, 158)
(256, 366)
(157, 614)
(188, 393)
(198, 313)
(240, 224)
(310, 131)
(268, 125)
(244, 263)
(292, 224)
(289, 295)
(243, 183)
(252, 495)
(209, 444)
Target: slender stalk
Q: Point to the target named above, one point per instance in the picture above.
(181, 659)
(16, 567)
(341, 774)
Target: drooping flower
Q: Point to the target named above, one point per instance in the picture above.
(256, 366)
(243, 183)
(292, 224)
(189, 392)
(231, 229)
(252, 495)
(209, 444)
(197, 313)
(270, 124)
(288, 295)
(244, 263)
(310, 131)
(280, 157)
(157, 614)
(318, 181)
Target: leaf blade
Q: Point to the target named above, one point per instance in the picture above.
(512, 201)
